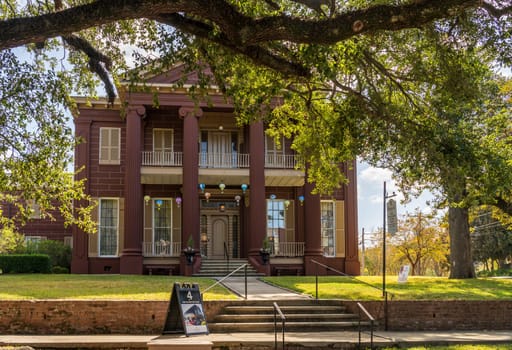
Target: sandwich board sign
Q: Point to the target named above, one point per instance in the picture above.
(186, 311)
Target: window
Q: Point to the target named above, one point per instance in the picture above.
(276, 224)
(108, 227)
(272, 148)
(35, 210)
(328, 227)
(162, 216)
(34, 239)
(162, 140)
(110, 144)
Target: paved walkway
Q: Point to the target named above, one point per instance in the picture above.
(256, 290)
(325, 340)
(259, 290)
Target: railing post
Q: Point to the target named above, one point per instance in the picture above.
(275, 327)
(316, 280)
(245, 275)
(386, 311)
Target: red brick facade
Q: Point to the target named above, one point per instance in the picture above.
(178, 154)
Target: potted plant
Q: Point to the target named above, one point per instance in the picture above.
(265, 251)
(189, 251)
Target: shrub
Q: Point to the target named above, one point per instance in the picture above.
(59, 269)
(59, 253)
(25, 263)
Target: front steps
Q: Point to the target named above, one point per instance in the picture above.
(220, 268)
(301, 316)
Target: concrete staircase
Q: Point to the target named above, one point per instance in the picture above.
(220, 268)
(307, 315)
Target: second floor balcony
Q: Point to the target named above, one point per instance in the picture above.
(232, 160)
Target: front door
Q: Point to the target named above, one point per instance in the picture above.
(219, 236)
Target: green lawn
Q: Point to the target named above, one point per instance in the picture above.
(416, 288)
(42, 286)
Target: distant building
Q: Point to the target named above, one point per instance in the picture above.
(180, 175)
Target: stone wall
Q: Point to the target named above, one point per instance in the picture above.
(148, 317)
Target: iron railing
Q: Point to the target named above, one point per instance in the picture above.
(277, 311)
(244, 266)
(363, 310)
(385, 293)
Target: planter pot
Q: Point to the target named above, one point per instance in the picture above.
(265, 256)
(189, 255)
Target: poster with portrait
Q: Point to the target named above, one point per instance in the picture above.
(186, 311)
(403, 274)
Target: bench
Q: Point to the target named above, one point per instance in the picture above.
(155, 268)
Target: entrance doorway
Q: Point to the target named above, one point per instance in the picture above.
(219, 236)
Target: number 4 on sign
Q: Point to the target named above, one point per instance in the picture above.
(189, 295)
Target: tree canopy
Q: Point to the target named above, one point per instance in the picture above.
(407, 84)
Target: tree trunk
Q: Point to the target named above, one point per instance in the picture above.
(460, 244)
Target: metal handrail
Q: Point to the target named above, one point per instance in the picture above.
(277, 310)
(226, 254)
(372, 323)
(229, 275)
(385, 293)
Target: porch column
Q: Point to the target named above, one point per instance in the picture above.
(312, 225)
(352, 264)
(190, 206)
(131, 255)
(257, 200)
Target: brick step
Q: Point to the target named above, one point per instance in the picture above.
(305, 317)
(302, 315)
(219, 268)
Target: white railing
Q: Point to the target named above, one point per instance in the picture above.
(219, 160)
(288, 249)
(162, 158)
(223, 160)
(162, 249)
(281, 161)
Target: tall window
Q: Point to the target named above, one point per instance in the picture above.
(162, 140)
(108, 229)
(110, 145)
(276, 224)
(274, 152)
(162, 216)
(328, 227)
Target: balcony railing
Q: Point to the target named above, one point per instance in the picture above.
(218, 160)
(280, 161)
(162, 249)
(288, 249)
(223, 160)
(162, 158)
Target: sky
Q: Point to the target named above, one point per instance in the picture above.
(370, 191)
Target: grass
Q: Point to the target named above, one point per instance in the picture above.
(127, 287)
(130, 287)
(416, 288)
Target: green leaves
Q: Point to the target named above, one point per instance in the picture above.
(36, 144)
